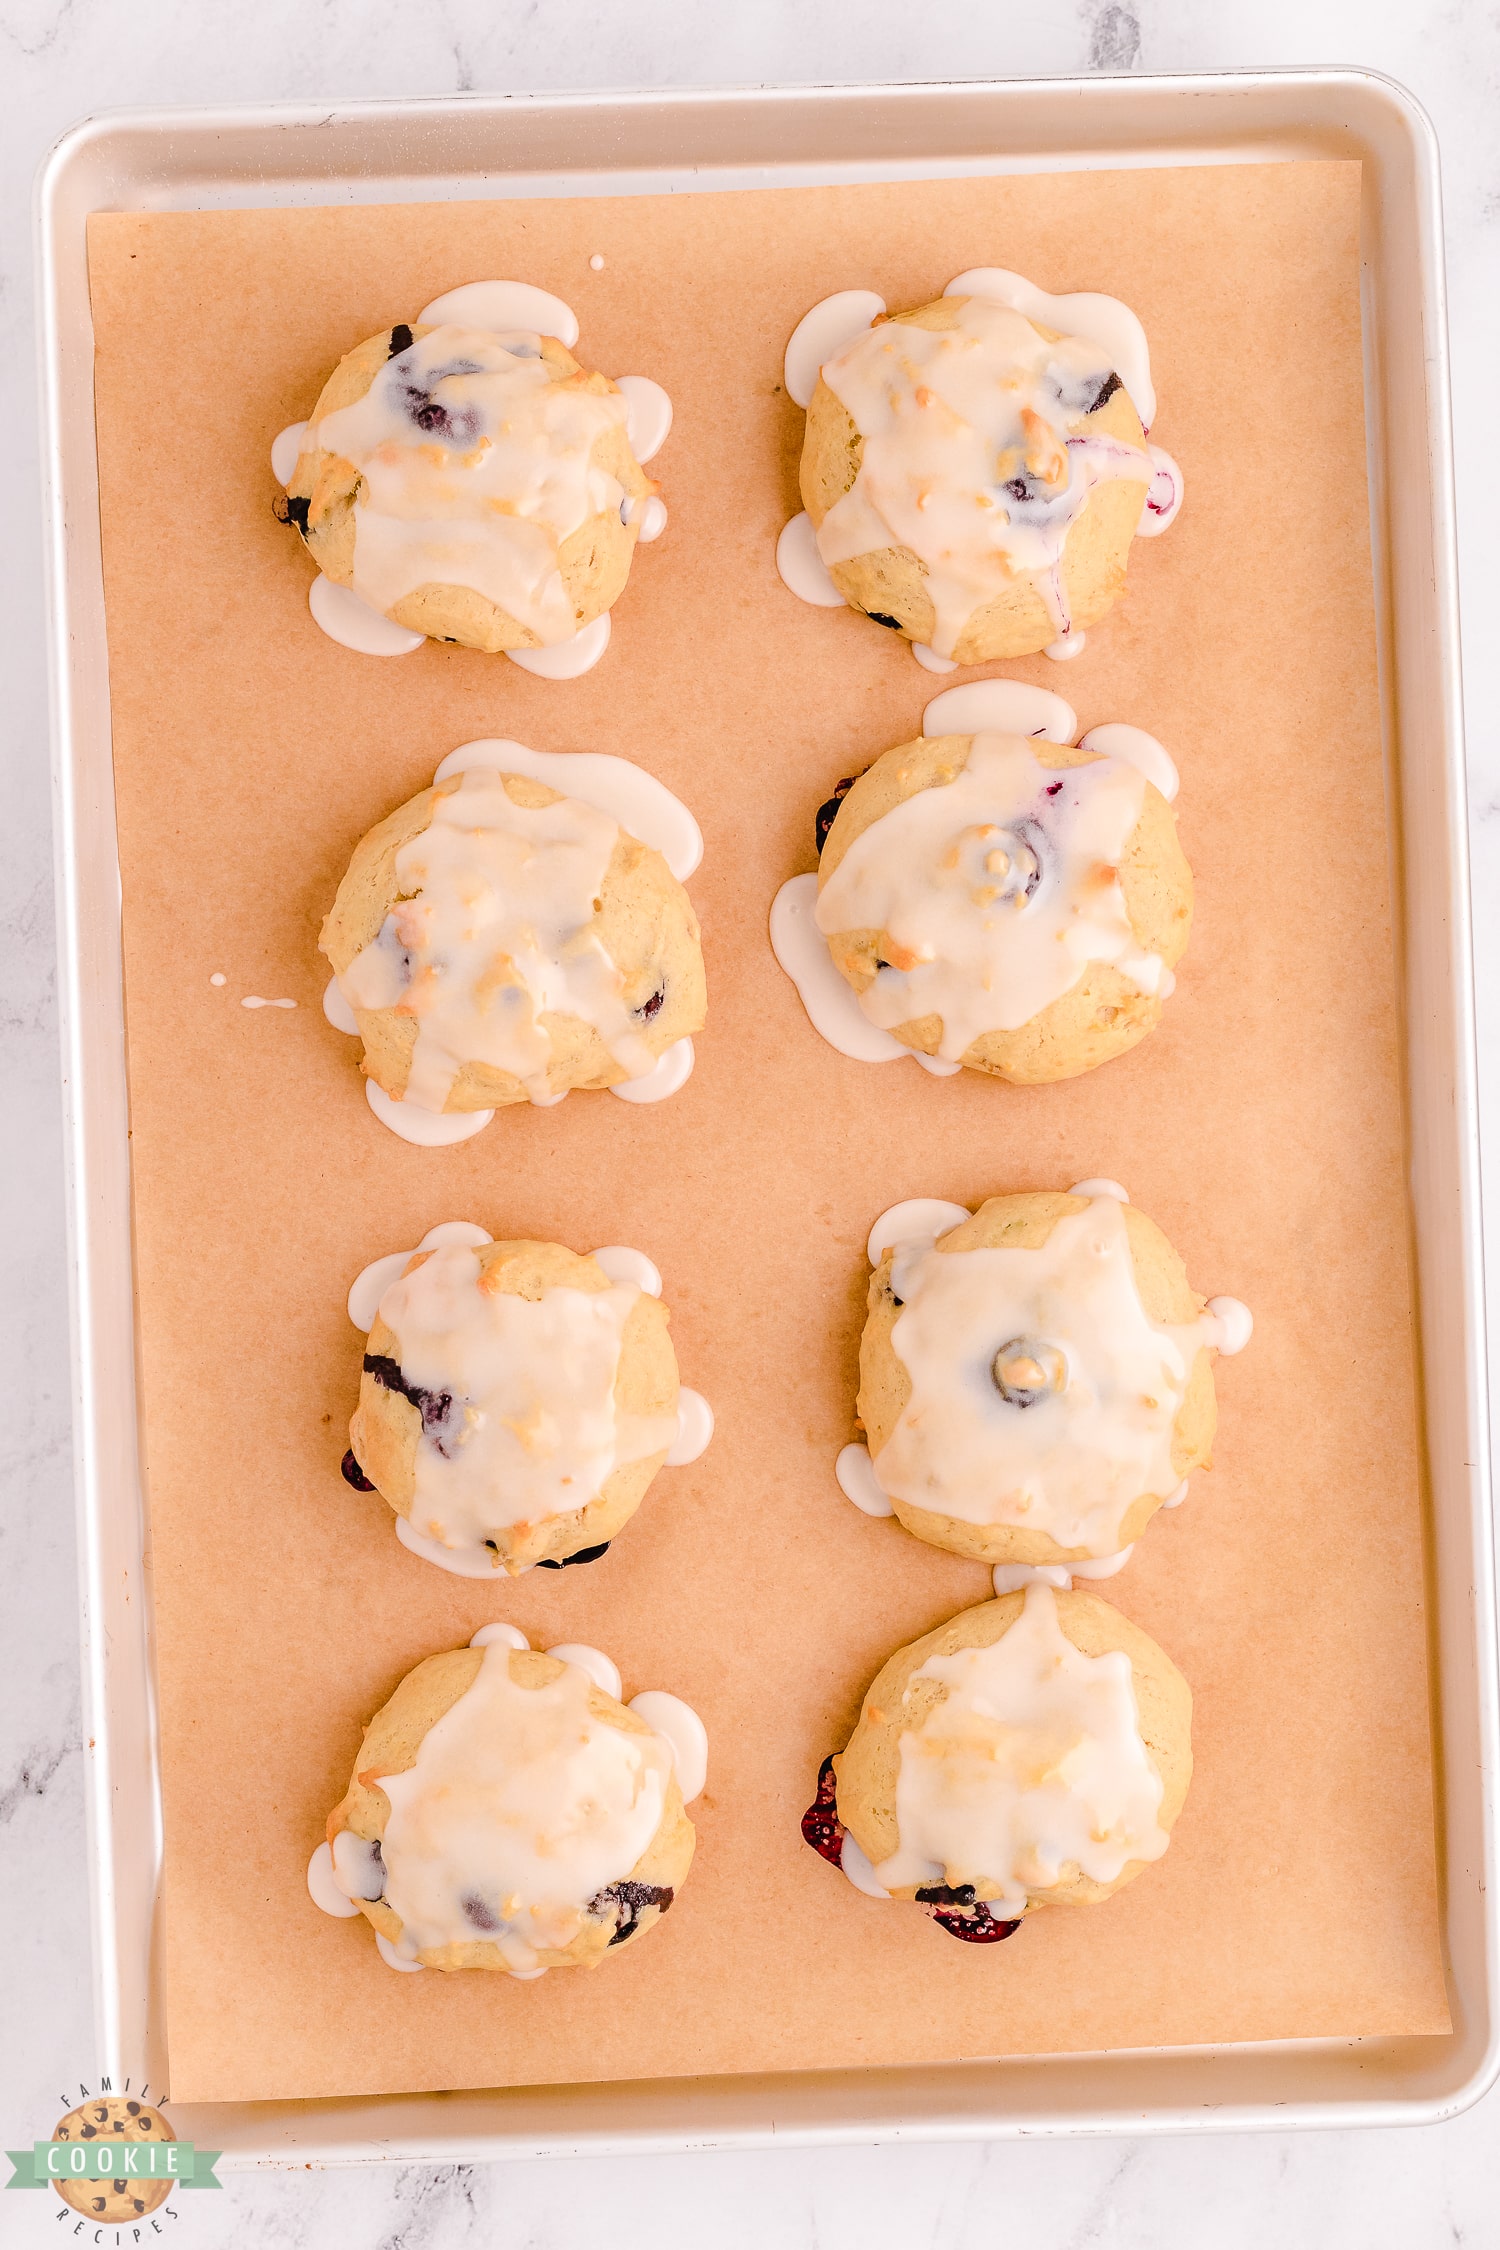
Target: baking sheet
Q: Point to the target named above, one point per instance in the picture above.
(1260, 1126)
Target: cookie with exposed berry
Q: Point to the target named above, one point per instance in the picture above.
(498, 942)
(506, 1812)
(515, 1401)
(1011, 904)
(472, 485)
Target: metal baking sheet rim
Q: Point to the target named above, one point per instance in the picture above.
(722, 139)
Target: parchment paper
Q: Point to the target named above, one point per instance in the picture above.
(1259, 1126)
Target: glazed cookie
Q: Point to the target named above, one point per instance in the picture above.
(974, 471)
(1010, 904)
(497, 941)
(507, 1811)
(1035, 1751)
(516, 1399)
(1036, 1379)
(472, 483)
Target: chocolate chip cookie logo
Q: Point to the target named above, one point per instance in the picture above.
(114, 2160)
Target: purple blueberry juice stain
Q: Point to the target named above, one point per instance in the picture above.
(957, 1911)
(828, 813)
(627, 1902)
(821, 1826)
(565, 1562)
(435, 1407)
(352, 1473)
(974, 1925)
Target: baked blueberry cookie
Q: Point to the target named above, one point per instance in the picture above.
(1035, 1751)
(1036, 1379)
(1007, 903)
(516, 1399)
(497, 941)
(472, 483)
(973, 472)
(507, 1811)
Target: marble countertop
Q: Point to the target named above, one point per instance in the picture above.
(59, 60)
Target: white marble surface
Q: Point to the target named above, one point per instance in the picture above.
(60, 59)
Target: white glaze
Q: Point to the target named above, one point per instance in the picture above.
(831, 1003)
(1234, 1325)
(393, 1959)
(1138, 749)
(990, 888)
(509, 1636)
(648, 416)
(1066, 646)
(524, 1802)
(643, 806)
(286, 449)
(567, 659)
(653, 521)
(425, 1128)
(1032, 1762)
(858, 1869)
(1103, 320)
(695, 1429)
(859, 1483)
(1098, 1434)
(934, 1065)
(1000, 707)
(534, 1429)
(1104, 1566)
(684, 1733)
(1163, 495)
(1178, 1494)
(459, 1562)
(928, 658)
(502, 306)
(254, 1000)
(922, 1219)
(339, 612)
(371, 1284)
(822, 332)
(1100, 1187)
(969, 461)
(596, 263)
(338, 1011)
(218, 977)
(601, 1669)
(668, 1075)
(1011, 1578)
(624, 1264)
(324, 1891)
(802, 569)
(356, 1866)
(1015, 1577)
